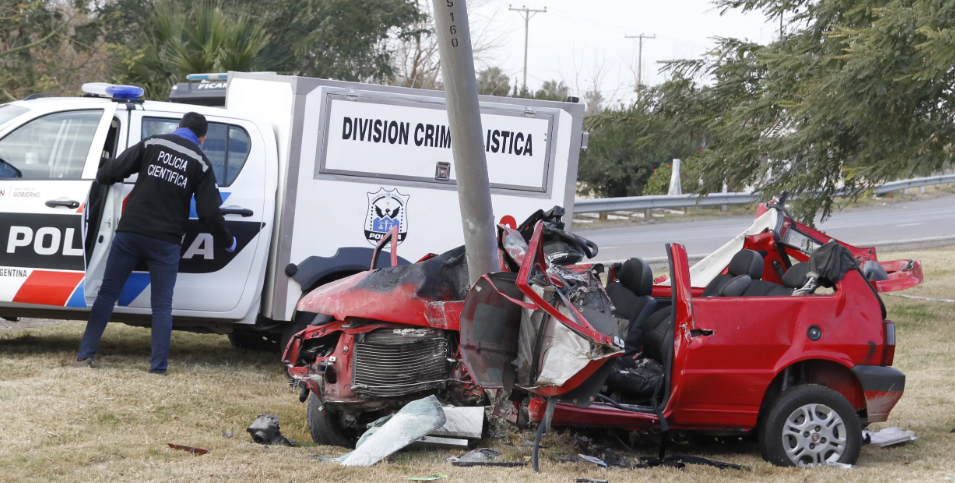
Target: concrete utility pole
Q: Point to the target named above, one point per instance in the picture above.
(467, 139)
(640, 38)
(528, 14)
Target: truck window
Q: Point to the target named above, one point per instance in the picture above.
(54, 146)
(226, 145)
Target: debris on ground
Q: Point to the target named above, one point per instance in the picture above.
(590, 480)
(228, 434)
(476, 456)
(439, 443)
(434, 477)
(839, 465)
(396, 431)
(596, 461)
(461, 422)
(483, 457)
(190, 449)
(888, 437)
(265, 430)
(587, 445)
(680, 462)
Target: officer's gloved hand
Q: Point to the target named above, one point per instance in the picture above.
(232, 248)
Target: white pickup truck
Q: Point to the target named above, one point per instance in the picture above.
(312, 173)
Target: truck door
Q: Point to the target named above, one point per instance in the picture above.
(210, 279)
(55, 156)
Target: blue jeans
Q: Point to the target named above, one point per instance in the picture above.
(127, 251)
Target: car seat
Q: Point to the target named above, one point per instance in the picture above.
(632, 299)
(796, 277)
(745, 267)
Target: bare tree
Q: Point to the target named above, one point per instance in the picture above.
(417, 63)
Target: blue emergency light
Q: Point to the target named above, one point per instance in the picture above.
(113, 91)
(207, 77)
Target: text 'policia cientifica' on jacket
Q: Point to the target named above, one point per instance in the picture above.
(171, 168)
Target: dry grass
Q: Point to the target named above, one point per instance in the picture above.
(113, 422)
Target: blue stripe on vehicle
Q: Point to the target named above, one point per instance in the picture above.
(192, 204)
(137, 282)
(77, 300)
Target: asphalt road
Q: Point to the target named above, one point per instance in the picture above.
(858, 226)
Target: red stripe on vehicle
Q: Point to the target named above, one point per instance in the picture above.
(45, 287)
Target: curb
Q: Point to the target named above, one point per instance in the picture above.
(659, 263)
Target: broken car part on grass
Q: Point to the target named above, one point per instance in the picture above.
(265, 430)
(545, 334)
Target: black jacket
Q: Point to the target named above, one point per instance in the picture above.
(171, 170)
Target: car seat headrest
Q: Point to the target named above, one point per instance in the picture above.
(636, 276)
(747, 262)
(795, 277)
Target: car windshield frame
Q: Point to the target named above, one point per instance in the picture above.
(9, 112)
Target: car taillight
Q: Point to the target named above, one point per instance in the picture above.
(888, 346)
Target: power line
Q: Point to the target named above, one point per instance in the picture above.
(528, 14)
(640, 39)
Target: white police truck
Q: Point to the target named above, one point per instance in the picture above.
(312, 174)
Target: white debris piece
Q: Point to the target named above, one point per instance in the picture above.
(461, 422)
(888, 436)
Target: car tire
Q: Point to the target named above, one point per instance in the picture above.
(254, 341)
(323, 425)
(810, 425)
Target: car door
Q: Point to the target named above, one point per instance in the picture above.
(683, 328)
(55, 155)
(211, 280)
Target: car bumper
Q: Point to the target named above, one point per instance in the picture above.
(883, 387)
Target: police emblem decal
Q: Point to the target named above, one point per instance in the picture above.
(385, 210)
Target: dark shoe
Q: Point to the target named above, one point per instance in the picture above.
(83, 363)
(158, 373)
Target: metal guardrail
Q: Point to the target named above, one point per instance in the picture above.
(661, 201)
(914, 183)
(598, 205)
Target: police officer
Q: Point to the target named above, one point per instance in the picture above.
(172, 169)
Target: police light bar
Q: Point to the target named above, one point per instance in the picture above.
(207, 77)
(116, 92)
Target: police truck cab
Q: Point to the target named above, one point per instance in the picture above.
(312, 174)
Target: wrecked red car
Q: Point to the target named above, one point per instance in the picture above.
(780, 333)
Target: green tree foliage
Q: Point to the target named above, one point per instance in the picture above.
(46, 46)
(855, 93)
(625, 147)
(177, 40)
(552, 90)
(337, 39)
(493, 82)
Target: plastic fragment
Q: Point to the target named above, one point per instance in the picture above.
(591, 459)
(190, 449)
(434, 477)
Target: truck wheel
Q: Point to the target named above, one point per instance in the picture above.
(324, 425)
(254, 341)
(810, 425)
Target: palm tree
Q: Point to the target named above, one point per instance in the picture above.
(200, 38)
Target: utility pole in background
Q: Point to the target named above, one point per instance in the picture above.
(528, 14)
(640, 39)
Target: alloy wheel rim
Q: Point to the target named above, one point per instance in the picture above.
(814, 435)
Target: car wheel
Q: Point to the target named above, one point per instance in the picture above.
(810, 425)
(254, 341)
(324, 425)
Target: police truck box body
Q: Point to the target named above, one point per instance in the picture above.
(312, 174)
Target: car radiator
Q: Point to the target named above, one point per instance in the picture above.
(398, 362)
